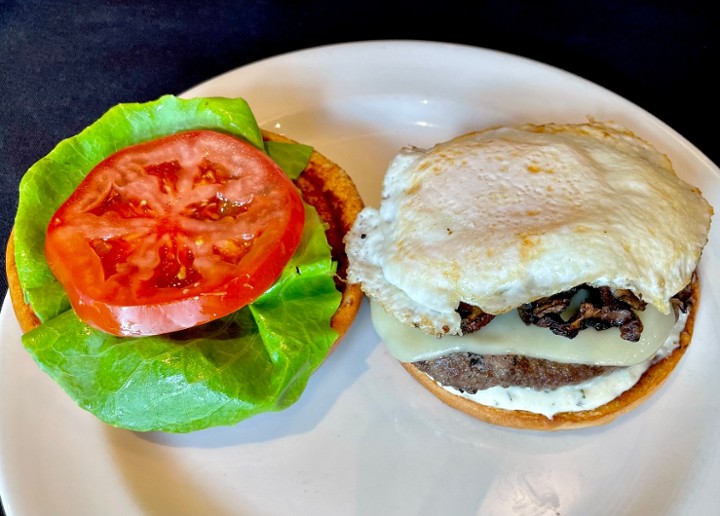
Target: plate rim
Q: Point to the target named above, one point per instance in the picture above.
(697, 154)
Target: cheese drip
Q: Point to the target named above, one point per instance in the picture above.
(507, 334)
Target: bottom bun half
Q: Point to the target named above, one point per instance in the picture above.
(648, 383)
(323, 184)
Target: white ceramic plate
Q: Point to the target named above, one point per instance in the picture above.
(365, 438)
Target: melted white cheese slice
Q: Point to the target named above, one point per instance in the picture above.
(507, 334)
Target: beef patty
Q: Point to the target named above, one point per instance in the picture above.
(470, 372)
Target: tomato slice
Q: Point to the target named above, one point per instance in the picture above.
(168, 234)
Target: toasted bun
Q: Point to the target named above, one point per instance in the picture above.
(323, 184)
(648, 383)
(331, 191)
(25, 316)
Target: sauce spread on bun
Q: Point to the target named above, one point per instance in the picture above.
(561, 244)
(173, 267)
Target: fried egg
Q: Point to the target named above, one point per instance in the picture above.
(509, 215)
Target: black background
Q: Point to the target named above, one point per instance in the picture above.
(63, 63)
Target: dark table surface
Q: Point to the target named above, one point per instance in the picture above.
(62, 64)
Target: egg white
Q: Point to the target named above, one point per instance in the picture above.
(504, 216)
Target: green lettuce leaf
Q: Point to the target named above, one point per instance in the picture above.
(292, 158)
(255, 360)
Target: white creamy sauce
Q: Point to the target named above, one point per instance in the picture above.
(574, 398)
(605, 347)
